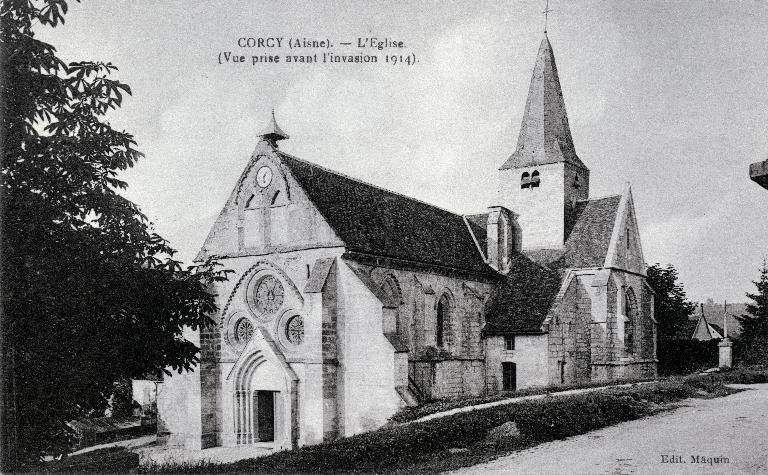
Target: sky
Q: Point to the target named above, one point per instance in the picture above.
(669, 96)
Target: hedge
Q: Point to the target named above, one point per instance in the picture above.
(398, 447)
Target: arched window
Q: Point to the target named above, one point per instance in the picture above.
(392, 291)
(443, 320)
(525, 180)
(630, 312)
(576, 181)
(392, 301)
(535, 180)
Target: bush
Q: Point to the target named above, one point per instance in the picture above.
(746, 375)
(687, 356)
(408, 414)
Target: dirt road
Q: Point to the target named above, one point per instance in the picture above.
(723, 435)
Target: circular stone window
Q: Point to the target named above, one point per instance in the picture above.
(269, 295)
(243, 332)
(294, 330)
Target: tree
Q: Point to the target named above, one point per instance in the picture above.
(671, 306)
(91, 294)
(753, 341)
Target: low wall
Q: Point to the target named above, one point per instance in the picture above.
(442, 379)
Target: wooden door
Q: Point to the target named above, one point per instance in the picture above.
(266, 415)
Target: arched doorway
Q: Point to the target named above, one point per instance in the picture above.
(259, 406)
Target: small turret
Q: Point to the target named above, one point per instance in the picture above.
(272, 133)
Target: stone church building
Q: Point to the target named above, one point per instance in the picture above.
(349, 301)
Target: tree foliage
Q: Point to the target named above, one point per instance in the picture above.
(753, 341)
(671, 306)
(90, 293)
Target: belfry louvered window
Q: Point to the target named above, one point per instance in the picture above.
(530, 180)
(535, 180)
(525, 180)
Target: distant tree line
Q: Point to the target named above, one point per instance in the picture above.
(677, 352)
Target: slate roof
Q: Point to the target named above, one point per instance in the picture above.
(522, 302)
(718, 329)
(593, 222)
(758, 172)
(479, 225)
(374, 221)
(687, 329)
(545, 136)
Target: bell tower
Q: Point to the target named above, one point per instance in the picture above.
(543, 178)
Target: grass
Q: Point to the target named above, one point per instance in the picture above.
(109, 460)
(424, 447)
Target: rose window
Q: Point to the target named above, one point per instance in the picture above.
(294, 330)
(269, 295)
(243, 331)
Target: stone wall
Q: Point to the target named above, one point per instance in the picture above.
(450, 378)
(450, 370)
(529, 356)
(179, 405)
(366, 357)
(587, 329)
(542, 211)
(570, 334)
(277, 218)
(209, 379)
(330, 356)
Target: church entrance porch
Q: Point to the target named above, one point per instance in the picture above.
(260, 409)
(255, 416)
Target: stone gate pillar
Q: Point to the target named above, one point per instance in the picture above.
(726, 357)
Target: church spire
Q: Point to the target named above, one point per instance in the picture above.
(272, 133)
(545, 136)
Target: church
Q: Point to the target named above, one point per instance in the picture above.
(349, 301)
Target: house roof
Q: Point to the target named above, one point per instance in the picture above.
(545, 136)
(374, 221)
(718, 329)
(758, 172)
(714, 312)
(522, 302)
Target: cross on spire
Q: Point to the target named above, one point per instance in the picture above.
(546, 15)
